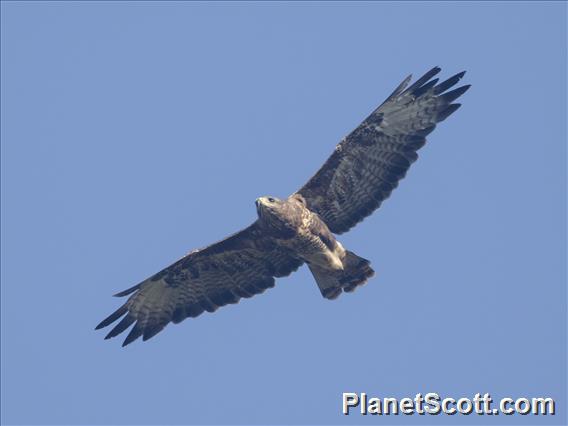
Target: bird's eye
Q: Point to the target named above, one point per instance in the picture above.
(270, 200)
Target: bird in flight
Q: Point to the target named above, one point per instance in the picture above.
(360, 174)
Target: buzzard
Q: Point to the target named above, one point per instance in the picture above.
(360, 174)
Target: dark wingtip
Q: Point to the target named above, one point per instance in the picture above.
(424, 79)
(121, 326)
(447, 112)
(112, 317)
(454, 94)
(127, 291)
(450, 82)
(424, 88)
(134, 334)
(435, 70)
(151, 331)
(458, 76)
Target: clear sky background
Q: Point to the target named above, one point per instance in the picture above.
(134, 132)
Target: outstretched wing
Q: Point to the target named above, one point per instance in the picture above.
(368, 164)
(242, 265)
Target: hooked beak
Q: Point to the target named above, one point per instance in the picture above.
(258, 204)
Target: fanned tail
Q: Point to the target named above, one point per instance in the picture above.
(356, 272)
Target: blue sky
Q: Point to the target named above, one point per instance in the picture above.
(134, 132)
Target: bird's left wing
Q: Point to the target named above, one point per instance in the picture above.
(368, 164)
(242, 265)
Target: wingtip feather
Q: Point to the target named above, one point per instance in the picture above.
(112, 317)
(127, 291)
(450, 82)
(451, 96)
(448, 111)
(134, 334)
(424, 79)
(121, 326)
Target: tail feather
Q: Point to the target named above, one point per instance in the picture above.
(356, 272)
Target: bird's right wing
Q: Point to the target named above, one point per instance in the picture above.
(242, 265)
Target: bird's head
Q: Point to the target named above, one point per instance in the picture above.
(267, 205)
(275, 214)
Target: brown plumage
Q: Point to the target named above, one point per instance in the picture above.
(360, 174)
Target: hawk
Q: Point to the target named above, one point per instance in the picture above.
(360, 174)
